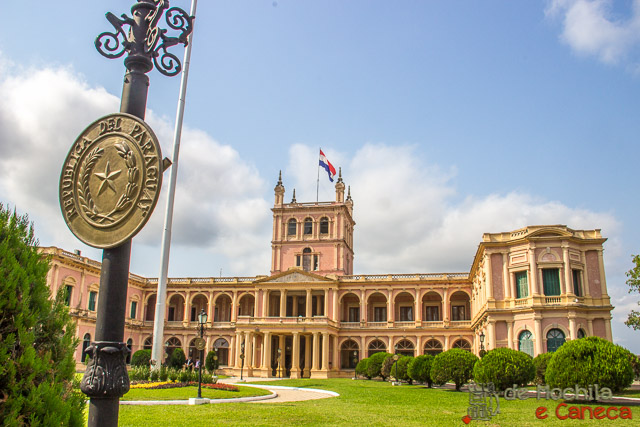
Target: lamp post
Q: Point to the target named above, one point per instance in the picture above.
(241, 359)
(202, 319)
(145, 45)
(481, 341)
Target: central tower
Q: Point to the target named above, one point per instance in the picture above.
(315, 237)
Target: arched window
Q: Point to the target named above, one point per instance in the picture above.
(555, 338)
(171, 344)
(308, 226)
(324, 225)
(221, 346)
(462, 344)
(581, 333)
(349, 354)
(291, 227)
(148, 342)
(130, 347)
(376, 346)
(525, 343)
(433, 347)
(86, 340)
(404, 347)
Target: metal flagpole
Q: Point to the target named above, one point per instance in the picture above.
(158, 323)
(318, 182)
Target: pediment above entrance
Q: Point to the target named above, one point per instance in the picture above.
(294, 275)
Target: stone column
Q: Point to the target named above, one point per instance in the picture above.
(265, 303)
(390, 306)
(336, 311)
(489, 274)
(590, 327)
(363, 306)
(491, 335)
(334, 356)
(326, 303)
(603, 280)
(510, 334)
(417, 316)
(210, 308)
(316, 353)
(567, 288)
(446, 343)
(266, 353)
(537, 330)
(232, 352)
(295, 356)
(283, 302)
(308, 301)
(446, 307)
(307, 356)
(607, 326)
(533, 270)
(234, 307)
(419, 348)
(572, 328)
(239, 337)
(325, 351)
(254, 350)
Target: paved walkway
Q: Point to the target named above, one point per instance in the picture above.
(278, 394)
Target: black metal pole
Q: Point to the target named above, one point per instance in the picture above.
(201, 361)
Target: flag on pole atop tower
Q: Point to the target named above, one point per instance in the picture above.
(324, 162)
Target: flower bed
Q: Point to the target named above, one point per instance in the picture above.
(155, 385)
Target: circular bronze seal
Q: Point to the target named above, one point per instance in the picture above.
(111, 180)
(200, 343)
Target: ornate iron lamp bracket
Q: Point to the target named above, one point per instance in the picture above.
(145, 41)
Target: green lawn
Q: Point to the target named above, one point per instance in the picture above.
(184, 393)
(361, 402)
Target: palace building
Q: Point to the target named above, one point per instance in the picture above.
(530, 289)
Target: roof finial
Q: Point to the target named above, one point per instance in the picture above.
(294, 196)
(280, 178)
(340, 174)
(349, 193)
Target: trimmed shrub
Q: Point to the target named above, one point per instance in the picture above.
(403, 367)
(454, 365)
(540, 363)
(419, 369)
(387, 367)
(635, 365)
(588, 361)
(177, 359)
(504, 367)
(361, 368)
(37, 335)
(375, 365)
(184, 376)
(211, 361)
(173, 374)
(141, 358)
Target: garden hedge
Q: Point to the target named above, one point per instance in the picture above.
(454, 365)
(504, 367)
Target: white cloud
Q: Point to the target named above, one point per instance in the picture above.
(219, 206)
(590, 27)
(407, 219)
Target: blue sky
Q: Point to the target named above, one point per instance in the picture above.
(449, 119)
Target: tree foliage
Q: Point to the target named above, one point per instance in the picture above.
(37, 335)
(590, 361)
(361, 368)
(504, 367)
(141, 358)
(540, 363)
(454, 365)
(633, 280)
(177, 358)
(375, 365)
(419, 369)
